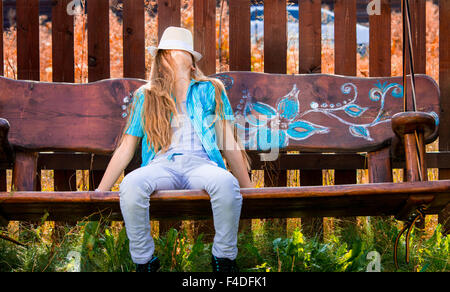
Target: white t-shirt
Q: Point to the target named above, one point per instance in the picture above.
(184, 138)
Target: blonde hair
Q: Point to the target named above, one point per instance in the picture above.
(158, 105)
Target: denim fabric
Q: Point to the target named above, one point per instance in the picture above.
(200, 105)
(181, 172)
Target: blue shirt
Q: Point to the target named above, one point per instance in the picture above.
(200, 106)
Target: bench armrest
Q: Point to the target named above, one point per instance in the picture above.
(7, 154)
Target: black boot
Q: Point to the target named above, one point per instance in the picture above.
(224, 265)
(152, 266)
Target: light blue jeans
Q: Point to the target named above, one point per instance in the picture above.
(180, 172)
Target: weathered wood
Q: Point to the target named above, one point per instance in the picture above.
(345, 36)
(275, 36)
(333, 113)
(27, 15)
(25, 105)
(444, 85)
(63, 65)
(98, 40)
(310, 36)
(345, 64)
(96, 107)
(240, 44)
(205, 34)
(419, 34)
(380, 166)
(346, 200)
(25, 172)
(311, 161)
(414, 128)
(380, 41)
(134, 38)
(63, 58)
(169, 14)
(2, 62)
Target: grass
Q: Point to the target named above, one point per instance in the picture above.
(103, 246)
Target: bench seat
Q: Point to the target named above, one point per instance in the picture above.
(375, 199)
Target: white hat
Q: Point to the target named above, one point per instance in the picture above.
(176, 38)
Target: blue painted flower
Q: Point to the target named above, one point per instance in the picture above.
(270, 127)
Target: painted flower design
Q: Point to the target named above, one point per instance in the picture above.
(273, 127)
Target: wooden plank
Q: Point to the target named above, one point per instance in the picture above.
(345, 64)
(26, 106)
(63, 60)
(25, 174)
(345, 37)
(134, 38)
(418, 32)
(347, 200)
(27, 15)
(310, 61)
(240, 43)
(98, 50)
(444, 85)
(275, 54)
(98, 40)
(169, 14)
(310, 36)
(42, 114)
(304, 161)
(380, 41)
(205, 34)
(380, 167)
(2, 61)
(275, 36)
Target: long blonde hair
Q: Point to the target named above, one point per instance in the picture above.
(159, 105)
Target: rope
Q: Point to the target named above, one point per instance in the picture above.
(408, 228)
(406, 16)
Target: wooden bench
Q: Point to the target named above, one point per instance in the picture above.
(314, 113)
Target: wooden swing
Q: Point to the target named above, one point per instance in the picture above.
(315, 113)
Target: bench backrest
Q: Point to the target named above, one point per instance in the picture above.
(322, 113)
(314, 112)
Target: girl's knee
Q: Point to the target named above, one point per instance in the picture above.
(134, 189)
(226, 190)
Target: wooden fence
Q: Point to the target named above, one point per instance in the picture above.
(275, 57)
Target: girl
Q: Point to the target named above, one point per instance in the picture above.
(189, 146)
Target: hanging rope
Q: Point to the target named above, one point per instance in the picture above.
(408, 228)
(407, 31)
(406, 17)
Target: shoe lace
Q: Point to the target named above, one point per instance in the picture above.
(224, 265)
